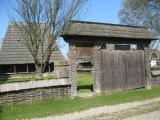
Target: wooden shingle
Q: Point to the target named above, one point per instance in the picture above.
(93, 29)
(14, 51)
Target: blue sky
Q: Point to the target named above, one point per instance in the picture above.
(98, 11)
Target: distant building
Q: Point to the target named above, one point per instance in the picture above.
(85, 58)
(155, 58)
(16, 58)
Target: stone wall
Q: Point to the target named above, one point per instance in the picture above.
(37, 93)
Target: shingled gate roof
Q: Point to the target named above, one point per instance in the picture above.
(82, 28)
(13, 50)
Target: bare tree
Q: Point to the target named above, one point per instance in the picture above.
(144, 13)
(42, 22)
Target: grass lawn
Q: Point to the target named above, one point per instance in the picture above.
(62, 106)
(84, 82)
(22, 79)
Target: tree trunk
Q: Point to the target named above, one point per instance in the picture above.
(39, 71)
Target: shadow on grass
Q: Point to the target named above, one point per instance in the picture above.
(0, 112)
(85, 87)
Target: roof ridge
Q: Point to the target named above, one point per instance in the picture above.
(91, 22)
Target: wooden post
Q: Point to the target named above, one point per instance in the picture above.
(73, 70)
(27, 69)
(14, 67)
(49, 68)
(0, 69)
(148, 84)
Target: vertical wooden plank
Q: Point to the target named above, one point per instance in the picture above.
(122, 70)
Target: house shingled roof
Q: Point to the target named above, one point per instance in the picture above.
(13, 50)
(94, 29)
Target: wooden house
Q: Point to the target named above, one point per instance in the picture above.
(16, 58)
(115, 65)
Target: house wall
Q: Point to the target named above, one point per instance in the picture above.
(23, 68)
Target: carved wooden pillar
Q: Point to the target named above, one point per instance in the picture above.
(148, 67)
(73, 70)
(97, 69)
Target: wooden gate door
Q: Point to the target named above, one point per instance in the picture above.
(122, 70)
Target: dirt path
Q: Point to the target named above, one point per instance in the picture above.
(125, 111)
(147, 116)
(150, 111)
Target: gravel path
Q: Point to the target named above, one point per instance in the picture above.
(148, 116)
(94, 113)
(130, 113)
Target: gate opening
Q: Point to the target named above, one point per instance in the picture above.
(85, 77)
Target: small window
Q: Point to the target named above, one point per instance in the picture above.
(133, 47)
(125, 47)
(122, 47)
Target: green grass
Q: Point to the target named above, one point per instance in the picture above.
(84, 82)
(85, 90)
(61, 106)
(22, 79)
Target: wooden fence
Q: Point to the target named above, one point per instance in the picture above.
(21, 92)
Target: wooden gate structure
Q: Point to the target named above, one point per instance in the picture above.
(122, 70)
(119, 54)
